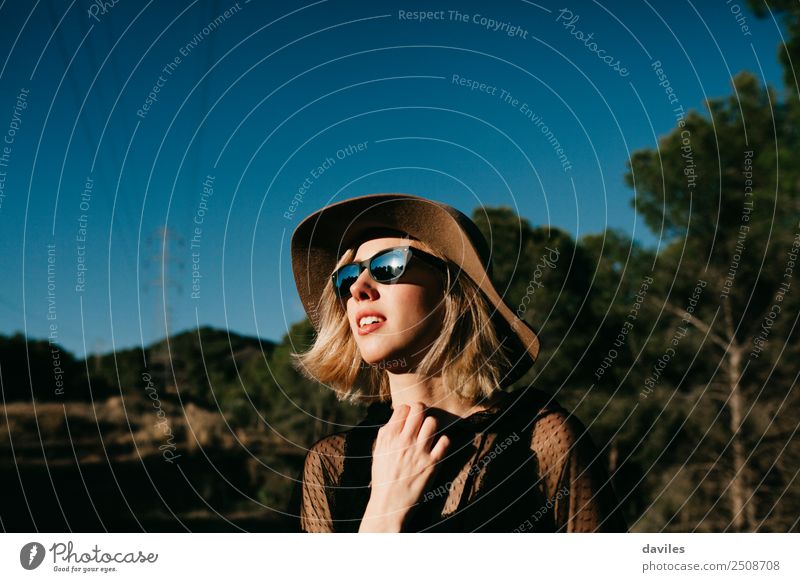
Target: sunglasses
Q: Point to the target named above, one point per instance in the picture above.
(386, 266)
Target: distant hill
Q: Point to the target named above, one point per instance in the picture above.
(192, 365)
(194, 361)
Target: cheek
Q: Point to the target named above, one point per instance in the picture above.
(417, 307)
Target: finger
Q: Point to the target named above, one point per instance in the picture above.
(438, 451)
(414, 420)
(427, 432)
(397, 421)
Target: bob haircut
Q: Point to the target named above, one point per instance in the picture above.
(473, 360)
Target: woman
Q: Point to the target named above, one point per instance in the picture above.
(399, 290)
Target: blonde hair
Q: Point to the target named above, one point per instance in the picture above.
(473, 360)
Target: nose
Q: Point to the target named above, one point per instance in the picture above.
(364, 287)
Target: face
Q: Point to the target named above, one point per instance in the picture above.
(412, 309)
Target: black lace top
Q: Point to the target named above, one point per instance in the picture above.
(524, 465)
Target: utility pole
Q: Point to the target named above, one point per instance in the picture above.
(159, 248)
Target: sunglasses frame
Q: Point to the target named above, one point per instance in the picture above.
(409, 253)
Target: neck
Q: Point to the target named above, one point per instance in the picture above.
(410, 387)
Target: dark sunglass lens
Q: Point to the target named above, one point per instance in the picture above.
(388, 266)
(345, 277)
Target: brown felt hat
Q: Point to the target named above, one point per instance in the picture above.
(322, 238)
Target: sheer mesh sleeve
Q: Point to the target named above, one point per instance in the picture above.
(322, 471)
(575, 481)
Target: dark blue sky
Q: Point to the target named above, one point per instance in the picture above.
(149, 101)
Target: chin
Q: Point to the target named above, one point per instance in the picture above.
(376, 357)
(383, 357)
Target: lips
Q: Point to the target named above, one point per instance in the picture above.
(371, 324)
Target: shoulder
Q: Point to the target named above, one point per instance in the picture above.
(329, 452)
(557, 434)
(324, 460)
(554, 431)
(330, 445)
(326, 456)
(534, 407)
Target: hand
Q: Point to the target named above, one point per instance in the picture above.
(403, 461)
